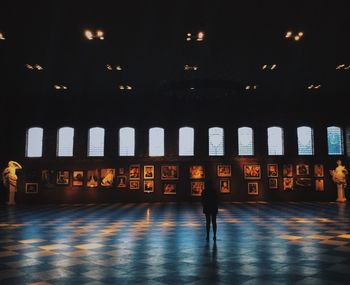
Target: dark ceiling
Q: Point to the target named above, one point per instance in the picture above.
(148, 39)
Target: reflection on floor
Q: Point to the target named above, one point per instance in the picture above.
(258, 243)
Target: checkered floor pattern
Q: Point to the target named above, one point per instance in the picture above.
(164, 243)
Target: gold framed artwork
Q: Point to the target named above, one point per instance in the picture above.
(169, 172)
(197, 172)
(303, 182)
(107, 177)
(318, 170)
(197, 188)
(31, 188)
(48, 178)
(302, 169)
(121, 171)
(148, 186)
(134, 172)
(252, 171)
(148, 171)
(121, 181)
(225, 186)
(272, 170)
(62, 177)
(134, 184)
(253, 188)
(287, 170)
(169, 188)
(93, 178)
(78, 178)
(288, 183)
(319, 184)
(273, 183)
(223, 170)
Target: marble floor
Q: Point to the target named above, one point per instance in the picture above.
(164, 243)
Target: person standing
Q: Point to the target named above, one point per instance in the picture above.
(210, 208)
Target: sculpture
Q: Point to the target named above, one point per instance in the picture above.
(9, 179)
(339, 177)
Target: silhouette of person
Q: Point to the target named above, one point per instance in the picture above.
(210, 207)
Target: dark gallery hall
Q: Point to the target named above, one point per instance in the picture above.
(184, 142)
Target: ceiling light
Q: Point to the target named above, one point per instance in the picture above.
(59, 87)
(273, 66)
(200, 36)
(190, 68)
(297, 38)
(90, 35)
(314, 86)
(119, 68)
(269, 66)
(128, 87)
(288, 34)
(109, 67)
(121, 87)
(251, 87)
(2, 37)
(29, 66)
(188, 34)
(264, 66)
(39, 67)
(34, 67)
(343, 67)
(294, 35)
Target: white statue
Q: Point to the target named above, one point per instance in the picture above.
(9, 179)
(339, 177)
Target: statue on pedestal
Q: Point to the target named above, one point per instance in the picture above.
(339, 177)
(9, 179)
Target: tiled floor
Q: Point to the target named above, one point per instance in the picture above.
(258, 243)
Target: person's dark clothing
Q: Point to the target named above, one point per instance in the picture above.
(210, 209)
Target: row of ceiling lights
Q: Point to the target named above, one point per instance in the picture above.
(2, 37)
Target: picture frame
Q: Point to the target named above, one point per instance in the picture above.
(121, 181)
(62, 177)
(78, 178)
(273, 183)
(288, 170)
(319, 184)
(303, 182)
(148, 186)
(121, 171)
(302, 169)
(169, 172)
(93, 178)
(253, 188)
(252, 171)
(318, 170)
(225, 185)
(134, 184)
(169, 188)
(197, 172)
(107, 177)
(134, 172)
(197, 188)
(223, 170)
(31, 188)
(272, 170)
(148, 172)
(288, 183)
(48, 178)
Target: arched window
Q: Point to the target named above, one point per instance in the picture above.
(186, 141)
(156, 142)
(216, 141)
(96, 142)
(65, 140)
(127, 141)
(305, 141)
(275, 141)
(335, 141)
(34, 144)
(245, 141)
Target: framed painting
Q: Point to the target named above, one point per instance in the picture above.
(287, 170)
(253, 188)
(288, 183)
(31, 188)
(169, 188)
(169, 172)
(148, 186)
(252, 171)
(121, 171)
(93, 178)
(121, 181)
(225, 186)
(78, 178)
(273, 183)
(272, 170)
(134, 184)
(197, 172)
(48, 178)
(62, 177)
(107, 177)
(134, 172)
(223, 170)
(319, 184)
(197, 188)
(303, 182)
(318, 170)
(302, 169)
(148, 171)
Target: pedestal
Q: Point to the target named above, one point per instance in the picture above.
(341, 194)
(12, 193)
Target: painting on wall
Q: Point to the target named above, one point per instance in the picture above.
(252, 171)
(121, 181)
(31, 188)
(78, 178)
(148, 186)
(62, 177)
(197, 188)
(197, 172)
(273, 183)
(148, 171)
(134, 184)
(223, 170)
(302, 169)
(225, 186)
(169, 188)
(303, 182)
(253, 188)
(107, 177)
(272, 170)
(288, 183)
(287, 170)
(134, 172)
(169, 172)
(93, 178)
(318, 170)
(319, 184)
(48, 178)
